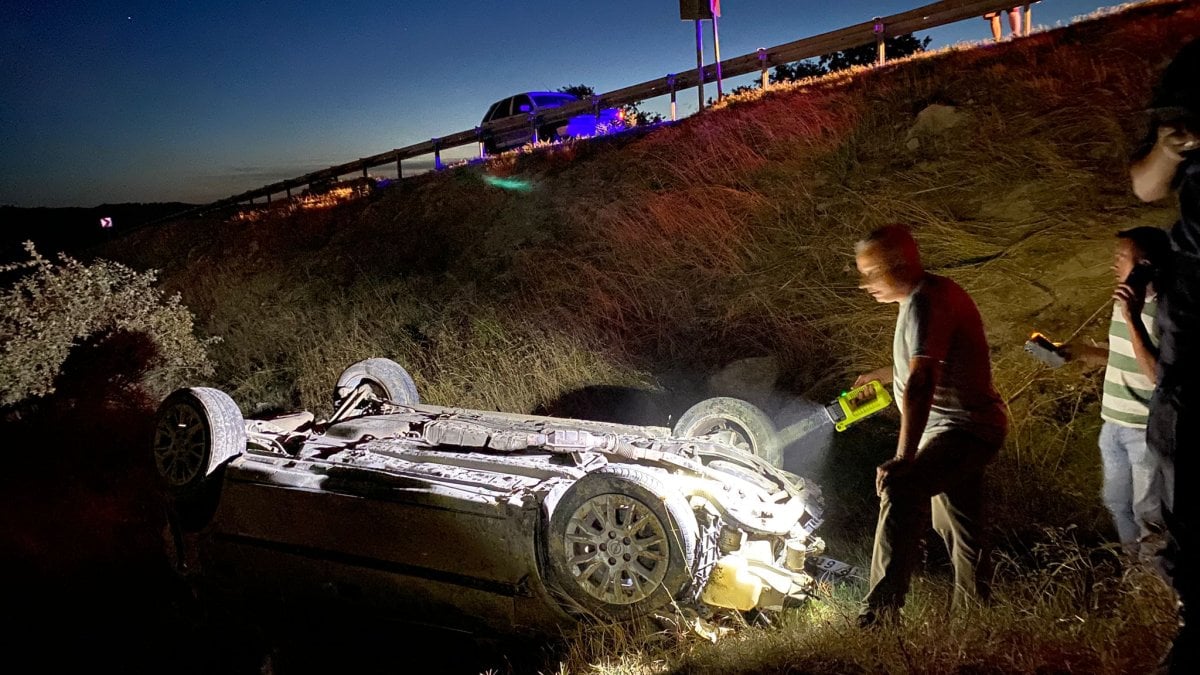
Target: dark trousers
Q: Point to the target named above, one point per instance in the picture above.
(1173, 435)
(943, 485)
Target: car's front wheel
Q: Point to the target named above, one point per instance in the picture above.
(621, 544)
(196, 430)
(734, 422)
(387, 380)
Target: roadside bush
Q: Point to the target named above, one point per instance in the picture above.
(54, 307)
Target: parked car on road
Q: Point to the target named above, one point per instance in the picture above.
(481, 520)
(532, 105)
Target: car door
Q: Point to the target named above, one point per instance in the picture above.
(372, 538)
(522, 106)
(500, 112)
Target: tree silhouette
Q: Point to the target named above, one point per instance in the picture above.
(863, 55)
(798, 70)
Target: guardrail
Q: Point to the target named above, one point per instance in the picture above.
(875, 30)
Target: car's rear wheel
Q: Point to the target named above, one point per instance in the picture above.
(386, 378)
(196, 430)
(734, 422)
(621, 544)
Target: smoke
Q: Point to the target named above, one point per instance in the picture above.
(806, 434)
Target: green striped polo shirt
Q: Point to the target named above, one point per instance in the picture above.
(1126, 389)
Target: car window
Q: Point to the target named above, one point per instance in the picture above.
(491, 113)
(553, 100)
(502, 109)
(519, 101)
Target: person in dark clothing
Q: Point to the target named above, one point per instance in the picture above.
(952, 425)
(1169, 162)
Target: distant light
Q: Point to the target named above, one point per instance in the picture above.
(514, 184)
(106, 223)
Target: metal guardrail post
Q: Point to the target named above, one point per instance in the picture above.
(700, 63)
(880, 47)
(762, 60)
(717, 56)
(671, 86)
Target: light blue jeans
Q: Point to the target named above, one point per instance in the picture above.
(1132, 485)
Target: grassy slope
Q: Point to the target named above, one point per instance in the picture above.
(659, 259)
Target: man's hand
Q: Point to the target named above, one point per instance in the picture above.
(887, 469)
(883, 374)
(1130, 299)
(1153, 176)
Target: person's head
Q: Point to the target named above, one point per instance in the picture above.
(1140, 246)
(1176, 99)
(889, 263)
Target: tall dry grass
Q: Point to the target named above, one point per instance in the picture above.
(731, 235)
(1060, 607)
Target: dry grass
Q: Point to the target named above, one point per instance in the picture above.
(730, 235)
(1061, 608)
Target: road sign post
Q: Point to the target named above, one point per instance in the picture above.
(715, 7)
(697, 11)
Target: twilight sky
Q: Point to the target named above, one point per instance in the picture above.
(165, 100)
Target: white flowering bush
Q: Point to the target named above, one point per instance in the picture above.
(52, 307)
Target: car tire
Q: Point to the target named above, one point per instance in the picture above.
(196, 431)
(387, 379)
(736, 422)
(653, 563)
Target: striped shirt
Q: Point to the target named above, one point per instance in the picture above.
(1126, 389)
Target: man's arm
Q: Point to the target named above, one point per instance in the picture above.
(1153, 176)
(918, 399)
(1144, 351)
(1091, 355)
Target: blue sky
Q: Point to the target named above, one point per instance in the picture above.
(166, 100)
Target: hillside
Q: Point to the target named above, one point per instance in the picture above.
(654, 263)
(75, 229)
(660, 260)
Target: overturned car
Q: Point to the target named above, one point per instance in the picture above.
(483, 520)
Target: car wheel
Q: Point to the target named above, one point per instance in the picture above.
(387, 379)
(732, 421)
(196, 430)
(621, 544)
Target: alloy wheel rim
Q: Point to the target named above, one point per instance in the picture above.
(617, 549)
(180, 444)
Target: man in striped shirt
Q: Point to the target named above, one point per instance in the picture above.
(1132, 484)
